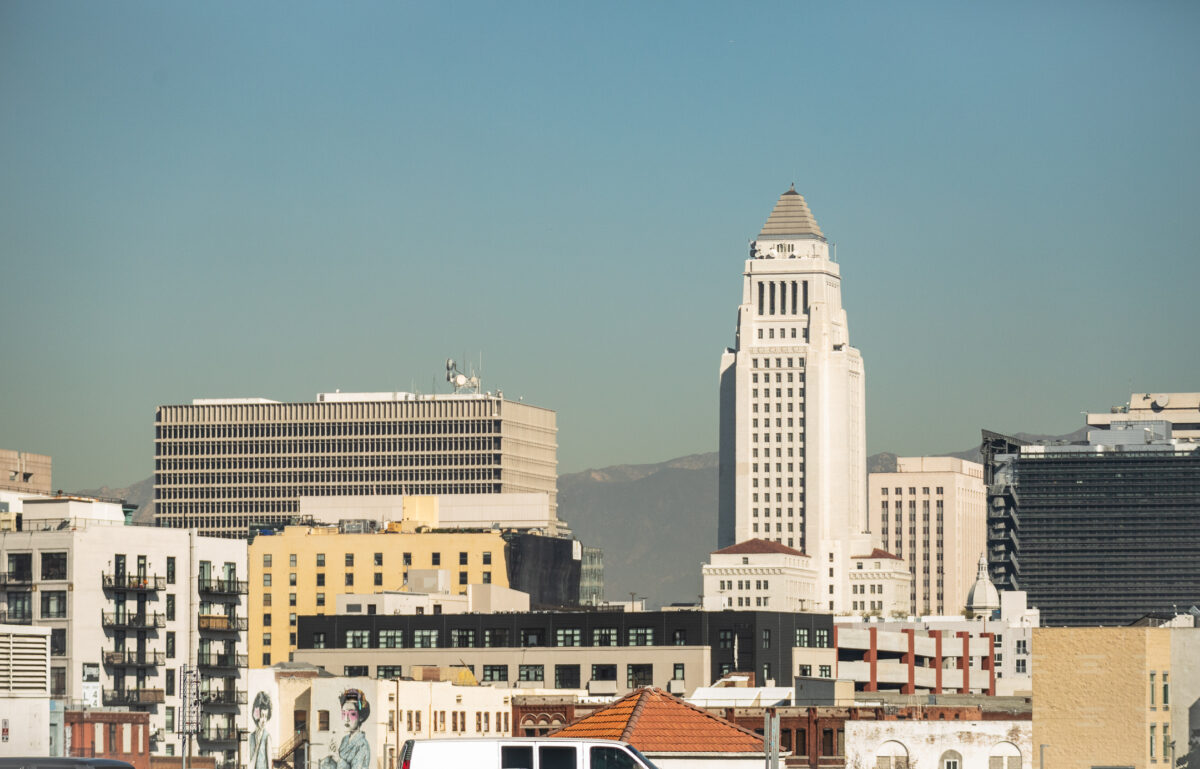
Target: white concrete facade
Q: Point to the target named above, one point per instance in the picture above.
(524, 512)
(933, 513)
(756, 575)
(126, 606)
(1001, 744)
(480, 599)
(879, 584)
(793, 414)
(25, 691)
(397, 711)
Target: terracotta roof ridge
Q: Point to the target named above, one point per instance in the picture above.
(715, 717)
(879, 553)
(627, 734)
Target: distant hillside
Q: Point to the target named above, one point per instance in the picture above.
(140, 494)
(656, 523)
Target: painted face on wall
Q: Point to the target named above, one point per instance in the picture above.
(350, 717)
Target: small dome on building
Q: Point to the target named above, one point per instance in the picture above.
(983, 598)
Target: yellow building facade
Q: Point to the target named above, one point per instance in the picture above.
(1105, 696)
(302, 569)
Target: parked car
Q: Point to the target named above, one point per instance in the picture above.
(521, 753)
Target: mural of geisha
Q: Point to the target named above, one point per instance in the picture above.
(260, 749)
(353, 751)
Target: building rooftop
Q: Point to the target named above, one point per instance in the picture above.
(654, 721)
(877, 553)
(758, 547)
(791, 218)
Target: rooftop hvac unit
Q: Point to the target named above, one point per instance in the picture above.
(358, 526)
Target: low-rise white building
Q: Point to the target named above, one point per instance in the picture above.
(1000, 744)
(759, 574)
(479, 599)
(296, 707)
(125, 607)
(507, 511)
(879, 583)
(25, 690)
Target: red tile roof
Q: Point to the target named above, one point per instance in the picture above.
(654, 721)
(877, 553)
(757, 546)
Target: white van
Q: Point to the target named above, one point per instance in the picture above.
(521, 753)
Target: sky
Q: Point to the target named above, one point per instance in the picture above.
(277, 199)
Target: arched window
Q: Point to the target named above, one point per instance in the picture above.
(951, 759)
(891, 755)
(1004, 755)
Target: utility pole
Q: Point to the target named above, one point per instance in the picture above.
(188, 724)
(771, 738)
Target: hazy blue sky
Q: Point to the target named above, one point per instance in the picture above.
(279, 199)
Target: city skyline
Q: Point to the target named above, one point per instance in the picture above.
(204, 202)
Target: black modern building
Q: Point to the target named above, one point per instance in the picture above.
(739, 641)
(1097, 533)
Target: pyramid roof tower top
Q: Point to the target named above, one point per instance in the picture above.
(791, 219)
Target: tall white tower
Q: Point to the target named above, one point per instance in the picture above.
(793, 422)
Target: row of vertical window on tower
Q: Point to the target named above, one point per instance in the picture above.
(783, 297)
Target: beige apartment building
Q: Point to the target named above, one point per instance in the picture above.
(225, 465)
(302, 570)
(932, 512)
(1116, 696)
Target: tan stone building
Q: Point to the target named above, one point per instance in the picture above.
(22, 471)
(1115, 696)
(932, 513)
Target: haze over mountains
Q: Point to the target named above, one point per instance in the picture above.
(656, 523)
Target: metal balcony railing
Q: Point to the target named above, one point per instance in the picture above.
(222, 660)
(110, 619)
(16, 578)
(219, 733)
(223, 697)
(222, 585)
(222, 623)
(137, 583)
(132, 657)
(133, 696)
(16, 618)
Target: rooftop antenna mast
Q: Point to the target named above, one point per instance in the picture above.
(461, 382)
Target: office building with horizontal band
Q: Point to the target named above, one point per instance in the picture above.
(225, 465)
